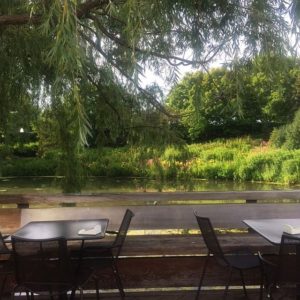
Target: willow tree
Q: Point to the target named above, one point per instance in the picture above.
(54, 49)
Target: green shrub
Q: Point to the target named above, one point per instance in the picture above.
(95, 169)
(25, 150)
(287, 136)
(291, 170)
(219, 154)
(212, 170)
(241, 144)
(265, 166)
(29, 167)
(172, 154)
(222, 149)
(119, 170)
(119, 162)
(52, 155)
(238, 159)
(278, 136)
(5, 151)
(171, 171)
(293, 133)
(155, 170)
(172, 163)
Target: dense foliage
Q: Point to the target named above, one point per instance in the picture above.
(249, 97)
(287, 136)
(238, 160)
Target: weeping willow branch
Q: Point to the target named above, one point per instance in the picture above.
(90, 5)
(105, 99)
(82, 11)
(151, 99)
(178, 60)
(18, 20)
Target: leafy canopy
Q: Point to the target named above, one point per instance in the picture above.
(48, 48)
(249, 97)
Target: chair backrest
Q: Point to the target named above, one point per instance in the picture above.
(3, 247)
(42, 263)
(122, 233)
(289, 260)
(209, 236)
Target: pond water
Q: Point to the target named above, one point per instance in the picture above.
(50, 185)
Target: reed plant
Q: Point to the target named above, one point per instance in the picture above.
(241, 160)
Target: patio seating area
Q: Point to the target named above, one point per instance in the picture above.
(163, 254)
(149, 150)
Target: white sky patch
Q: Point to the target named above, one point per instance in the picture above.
(151, 77)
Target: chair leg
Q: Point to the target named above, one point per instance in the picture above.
(261, 288)
(51, 295)
(29, 296)
(202, 277)
(13, 293)
(73, 292)
(243, 282)
(268, 287)
(118, 279)
(97, 289)
(3, 286)
(269, 292)
(227, 285)
(80, 293)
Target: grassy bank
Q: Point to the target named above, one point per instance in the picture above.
(238, 159)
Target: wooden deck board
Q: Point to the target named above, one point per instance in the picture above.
(190, 244)
(10, 219)
(176, 261)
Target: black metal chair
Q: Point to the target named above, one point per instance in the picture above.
(6, 268)
(239, 261)
(282, 273)
(43, 267)
(105, 254)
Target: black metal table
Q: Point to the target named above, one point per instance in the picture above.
(62, 228)
(68, 229)
(271, 229)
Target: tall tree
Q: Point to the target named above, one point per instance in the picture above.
(247, 97)
(49, 47)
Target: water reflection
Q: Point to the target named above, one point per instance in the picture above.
(50, 185)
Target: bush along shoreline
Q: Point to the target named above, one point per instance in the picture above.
(239, 160)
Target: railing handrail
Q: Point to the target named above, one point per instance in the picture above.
(154, 196)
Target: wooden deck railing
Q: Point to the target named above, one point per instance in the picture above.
(155, 254)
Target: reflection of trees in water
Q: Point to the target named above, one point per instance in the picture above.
(94, 185)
